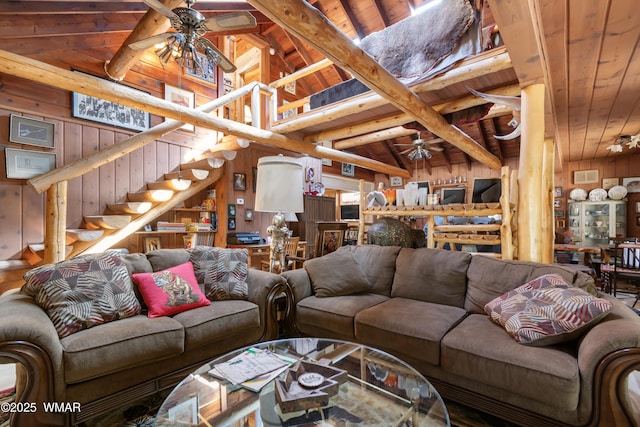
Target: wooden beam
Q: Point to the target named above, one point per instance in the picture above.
(47, 74)
(55, 223)
(152, 23)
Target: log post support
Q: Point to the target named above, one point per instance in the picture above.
(56, 223)
(530, 182)
(548, 221)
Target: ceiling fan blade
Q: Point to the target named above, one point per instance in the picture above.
(161, 9)
(403, 145)
(407, 150)
(224, 62)
(435, 148)
(145, 44)
(230, 21)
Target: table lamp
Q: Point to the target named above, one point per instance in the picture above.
(279, 186)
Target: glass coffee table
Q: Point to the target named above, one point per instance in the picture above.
(322, 382)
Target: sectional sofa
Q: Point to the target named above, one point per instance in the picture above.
(532, 343)
(86, 337)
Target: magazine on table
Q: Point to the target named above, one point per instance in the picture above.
(253, 368)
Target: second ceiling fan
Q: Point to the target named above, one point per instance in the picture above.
(190, 26)
(421, 148)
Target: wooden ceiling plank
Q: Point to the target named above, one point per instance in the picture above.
(381, 12)
(353, 21)
(55, 25)
(483, 134)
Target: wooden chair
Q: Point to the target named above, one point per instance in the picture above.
(290, 252)
(625, 264)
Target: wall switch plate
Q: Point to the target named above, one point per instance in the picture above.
(239, 201)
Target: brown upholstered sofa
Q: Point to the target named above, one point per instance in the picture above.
(106, 366)
(426, 306)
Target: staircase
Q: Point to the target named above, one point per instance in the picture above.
(140, 208)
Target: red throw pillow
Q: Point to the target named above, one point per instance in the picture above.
(170, 291)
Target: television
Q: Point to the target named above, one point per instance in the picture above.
(486, 190)
(452, 195)
(349, 212)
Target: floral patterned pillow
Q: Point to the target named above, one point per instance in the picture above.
(546, 311)
(83, 292)
(222, 271)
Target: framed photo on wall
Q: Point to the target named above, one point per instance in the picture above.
(152, 243)
(239, 181)
(348, 169)
(181, 97)
(26, 164)
(24, 130)
(331, 241)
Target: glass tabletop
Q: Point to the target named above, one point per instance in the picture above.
(314, 382)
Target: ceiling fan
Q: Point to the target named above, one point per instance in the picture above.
(190, 27)
(421, 148)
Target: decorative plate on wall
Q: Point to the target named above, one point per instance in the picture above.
(578, 194)
(617, 192)
(598, 195)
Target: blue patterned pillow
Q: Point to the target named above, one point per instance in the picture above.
(222, 272)
(83, 292)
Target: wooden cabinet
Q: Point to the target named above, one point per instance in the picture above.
(315, 209)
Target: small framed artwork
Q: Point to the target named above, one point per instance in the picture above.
(557, 192)
(231, 224)
(557, 203)
(632, 184)
(181, 97)
(348, 169)
(239, 181)
(331, 241)
(107, 112)
(607, 183)
(151, 243)
(586, 176)
(207, 72)
(185, 412)
(25, 164)
(560, 224)
(395, 181)
(231, 210)
(558, 213)
(248, 214)
(24, 130)
(310, 174)
(290, 87)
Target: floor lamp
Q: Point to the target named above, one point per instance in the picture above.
(279, 186)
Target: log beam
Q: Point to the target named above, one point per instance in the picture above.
(55, 223)
(152, 23)
(308, 23)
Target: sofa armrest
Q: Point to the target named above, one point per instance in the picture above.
(298, 288)
(28, 337)
(264, 288)
(607, 354)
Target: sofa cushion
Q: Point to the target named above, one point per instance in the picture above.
(223, 272)
(220, 320)
(333, 317)
(431, 275)
(378, 264)
(335, 274)
(137, 263)
(398, 326)
(161, 259)
(120, 345)
(83, 292)
(488, 278)
(480, 350)
(546, 311)
(170, 291)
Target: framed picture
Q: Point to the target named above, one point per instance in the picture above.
(607, 183)
(254, 175)
(24, 130)
(231, 210)
(239, 181)
(560, 224)
(107, 112)
(185, 412)
(557, 192)
(557, 203)
(25, 164)
(206, 73)
(586, 176)
(632, 184)
(331, 241)
(231, 224)
(248, 214)
(395, 181)
(452, 195)
(638, 207)
(558, 213)
(290, 87)
(181, 97)
(151, 243)
(348, 169)
(310, 174)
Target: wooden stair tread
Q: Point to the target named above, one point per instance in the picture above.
(170, 184)
(207, 163)
(150, 196)
(190, 174)
(130, 207)
(84, 234)
(35, 253)
(110, 222)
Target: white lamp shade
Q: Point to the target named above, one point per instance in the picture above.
(279, 185)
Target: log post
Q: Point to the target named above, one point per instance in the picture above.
(55, 223)
(530, 191)
(548, 218)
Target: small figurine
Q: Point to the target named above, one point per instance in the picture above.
(278, 232)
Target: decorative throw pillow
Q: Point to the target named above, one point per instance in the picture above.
(546, 311)
(223, 272)
(83, 292)
(170, 291)
(335, 274)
